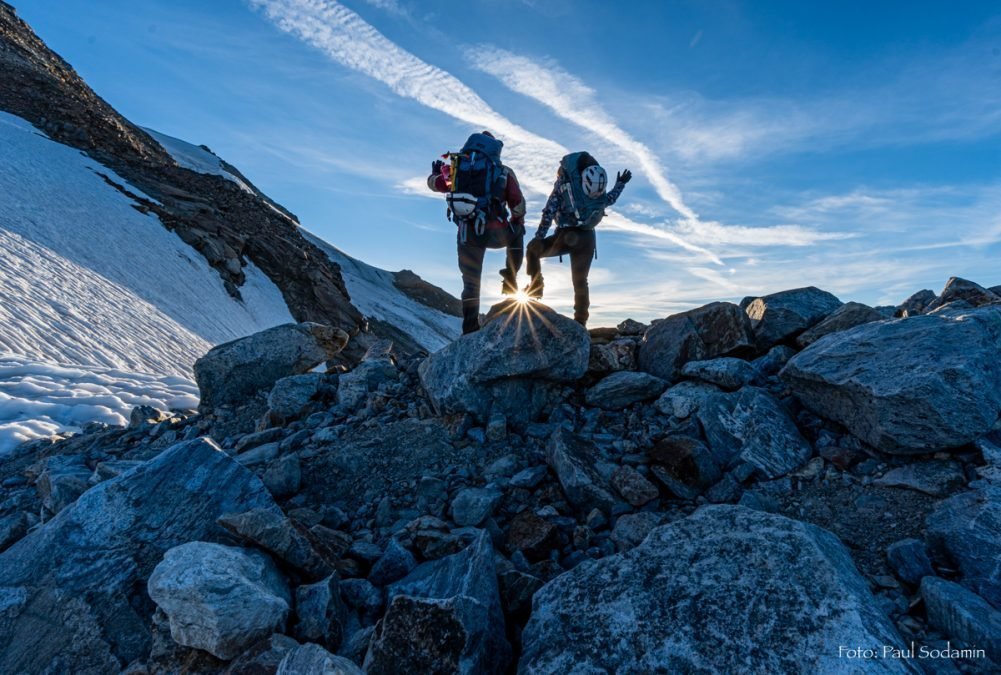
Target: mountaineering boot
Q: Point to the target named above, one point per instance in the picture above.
(508, 285)
(534, 289)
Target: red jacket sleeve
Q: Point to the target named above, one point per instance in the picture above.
(514, 198)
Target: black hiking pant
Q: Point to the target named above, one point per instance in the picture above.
(471, 266)
(580, 245)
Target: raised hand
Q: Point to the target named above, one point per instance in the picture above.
(624, 176)
(436, 167)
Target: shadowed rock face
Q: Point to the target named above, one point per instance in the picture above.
(702, 595)
(73, 598)
(781, 316)
(911, 385)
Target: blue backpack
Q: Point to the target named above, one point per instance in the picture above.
(479, 181)
(577, 209)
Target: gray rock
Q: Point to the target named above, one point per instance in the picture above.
(782, 595)
(362, 596)
(751, 426)
(774, 360)
(684, 465)
(283, 476)
(909, 560)
(916, 304)
(572, 460)
(910, 385)
(13, 526)
(218, 598)
(291, 395)
(968, 527)
(262, 658)
(961, 614)
(258, 438)
(395, 563)
(68, 585)
(472, 506)
(725, 372)
(373, 372)
(631, 327)
(632, 528)
(962, 290)
(633, 487)
(234, 371)
(612, 356)
(530, 477)
(780, 316)
(311, 659)
(496, 430)
(846, 316)
(532, 535)
(683, 399)
(456, 603)
(938, 478)
(275, 533)
(260, 454)
(62, 481)
(321, 613)
(624, 388)
(507, 365)
(145, 415)
(717, 329)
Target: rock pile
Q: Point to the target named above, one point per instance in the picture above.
(797, 475)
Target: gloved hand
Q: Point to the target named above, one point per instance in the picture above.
(624, 176)
(436, 167)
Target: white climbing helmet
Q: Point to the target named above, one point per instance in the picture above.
(594, 181)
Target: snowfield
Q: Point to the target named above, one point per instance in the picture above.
(86, 279)
(39, 398)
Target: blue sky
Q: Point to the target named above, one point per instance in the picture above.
(855, 146)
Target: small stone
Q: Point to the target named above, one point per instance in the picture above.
(503, 467)
(936, 478)
(631, 529)
(362, 596)
(472, 506)
(633, 487)
(496, 428)
(321, 613)
(283, 476)
(532, 535)
(394, 564)
(909, 560)
(529, 478)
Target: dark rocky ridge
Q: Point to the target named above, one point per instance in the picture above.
(224, 223)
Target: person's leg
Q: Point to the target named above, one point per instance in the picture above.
(537, 249)
(581, 255)
(515, 256)
(471, 266)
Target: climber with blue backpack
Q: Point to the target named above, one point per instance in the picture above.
(486, 204)
(577, 203)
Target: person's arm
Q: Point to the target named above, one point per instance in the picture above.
(620, 183)
(549, 210)
(515, 199)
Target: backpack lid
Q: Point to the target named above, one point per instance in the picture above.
(488, 145)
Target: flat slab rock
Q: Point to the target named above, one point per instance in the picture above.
(726, 590)
(938, 478)
(907, 386)
(67, 589)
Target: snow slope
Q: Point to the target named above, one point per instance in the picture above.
(194, 157)
(372, 291)
(87, 280)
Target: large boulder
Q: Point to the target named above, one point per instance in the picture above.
(507, 366)
(622, 389)
(234, 371)
(726, 590)
(717, 329)
(312, 659)
(968, 528)
(445, 617)
(846, 316)
(220, 599)
(964, 615)
(911, 385)
(780, 316)
(957, 289)
(751, 426)
(69, 588)
(916, 304)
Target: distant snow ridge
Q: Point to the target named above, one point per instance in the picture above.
(38, 398)
(194, 157)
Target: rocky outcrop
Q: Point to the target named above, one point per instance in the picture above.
(236, 370)
(219, 598)
(846, 316)
(664, 605)
(718, 329)
(444, 617)
(750, 426)
(968, 528)
(910, 385)
(781, 316)
(69, 588)
(509, 365)
(963, 615)
(963, 290)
